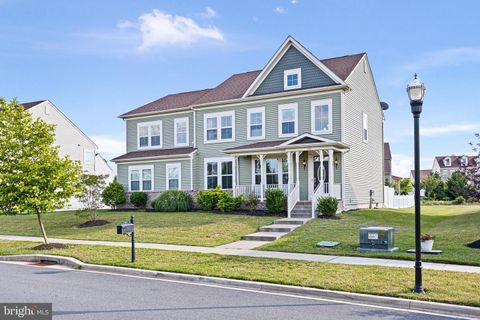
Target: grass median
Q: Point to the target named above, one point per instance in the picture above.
(441, 286)
(187, 228)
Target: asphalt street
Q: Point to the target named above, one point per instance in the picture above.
(88, 295)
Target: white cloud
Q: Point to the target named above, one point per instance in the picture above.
(294, 1)
(209, 13)
(160, 29)
(108, 145)
(401, 165)
(280, 10)
(445, 57)
(448, 129)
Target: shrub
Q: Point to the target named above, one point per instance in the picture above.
(327, 206)
(139, 199)
(276, 201)
(114, 194)
(172, 201)
(251, 202)
(229, 203)
(208, 199)
(459, 200)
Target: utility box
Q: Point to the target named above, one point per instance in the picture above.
(125, 228)
(377, 239)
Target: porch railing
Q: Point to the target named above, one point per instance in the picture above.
(257, 189)
(293, 198)
(317, 194)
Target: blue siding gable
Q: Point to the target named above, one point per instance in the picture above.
(312, 76)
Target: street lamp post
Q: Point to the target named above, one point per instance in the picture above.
(416, 92)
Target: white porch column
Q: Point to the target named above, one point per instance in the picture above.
(297, 168)
(290, 170)
(263, 175)
(330, 172)
(322, 178)
(235, 174)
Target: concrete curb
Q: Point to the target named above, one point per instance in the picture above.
(465, 312)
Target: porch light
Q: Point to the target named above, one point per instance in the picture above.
(336, 162)
(304, 163)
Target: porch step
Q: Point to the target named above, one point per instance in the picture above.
(301, 215)
(279, 228)
(264, 236)
(309, 203)
(290, 221)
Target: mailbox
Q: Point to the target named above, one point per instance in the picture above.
(125, 228)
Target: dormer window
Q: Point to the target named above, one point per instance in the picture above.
(464, 161)
(447, 162)
(292, 79)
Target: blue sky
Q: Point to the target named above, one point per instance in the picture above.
(98, 59)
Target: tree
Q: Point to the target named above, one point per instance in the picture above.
(406, 186)
(91, 187)
(457, 185)
(473, 174)
(434, 186)
(114, 194)
(34, 179)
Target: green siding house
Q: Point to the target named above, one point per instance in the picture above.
(309, 127)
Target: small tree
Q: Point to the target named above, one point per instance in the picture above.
(114, 194)
(90, 196)
(434, 186)
(34, 179)
(473, 174)
(406, 186)
(457, 186)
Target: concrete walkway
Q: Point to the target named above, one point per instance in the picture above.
(224, 250)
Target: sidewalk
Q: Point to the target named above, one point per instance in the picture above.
(261, 254)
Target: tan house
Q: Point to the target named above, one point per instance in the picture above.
(446, 165)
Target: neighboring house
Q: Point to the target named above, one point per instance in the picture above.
(307, 126)
(387, 163)
(423, 174)
(71, 140)
(446, 165)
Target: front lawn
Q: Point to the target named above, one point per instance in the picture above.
(188, 228)
(454, 226)
(441, 286)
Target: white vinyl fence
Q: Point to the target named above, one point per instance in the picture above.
(396, 202)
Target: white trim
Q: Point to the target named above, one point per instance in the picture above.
(140, 168)
(322, 102)
(149, 125)
(290, 41)
(289, 72)
(282, 107)
(194, 126)
(219, 170)
(307, 135)
(249, 112)
(178, 166)
(365, 127)
(175, 131)
(154, 114)
(218, 116)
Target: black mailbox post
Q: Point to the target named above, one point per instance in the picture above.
(128, 228)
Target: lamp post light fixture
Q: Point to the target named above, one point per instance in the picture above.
(416, 92)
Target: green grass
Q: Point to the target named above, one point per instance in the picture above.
(454, 227)
(188, 228)
(441, 286)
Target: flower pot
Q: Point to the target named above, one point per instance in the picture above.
(427, 245)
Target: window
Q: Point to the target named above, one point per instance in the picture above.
(365, 127)
(89, 159)
(272, 171)
(447, 162)
(174, 174)
(321, 116)
(149, 134)
(256, 123)
(464, 161)
(292, 79)
(219, 127)
(181, 132)
(219, 172)
(287, 120)
(140, 178)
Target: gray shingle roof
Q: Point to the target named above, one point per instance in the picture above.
(28, 105)
(155, 153)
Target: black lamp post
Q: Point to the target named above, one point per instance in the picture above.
(416, 92)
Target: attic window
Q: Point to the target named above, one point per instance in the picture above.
(447, 162)
(292, 79)
(464, 161)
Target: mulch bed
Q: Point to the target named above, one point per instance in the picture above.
(49, 246)
(94, 223)
(474, 244)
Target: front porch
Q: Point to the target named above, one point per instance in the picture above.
(305, 168)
